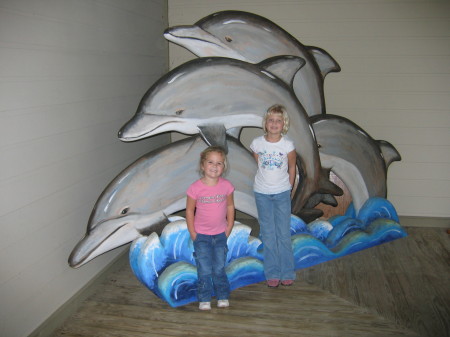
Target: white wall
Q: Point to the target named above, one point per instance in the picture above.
(394, 83)
(72, 72)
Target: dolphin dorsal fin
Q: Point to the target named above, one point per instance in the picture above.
(389, 152)
(284, 67)
(326, 63)
(214, 135)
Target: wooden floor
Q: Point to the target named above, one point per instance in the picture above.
(401, 288)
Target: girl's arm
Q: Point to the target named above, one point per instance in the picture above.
(291, 166)
(190, 209)
(230, 214)
(255, 155)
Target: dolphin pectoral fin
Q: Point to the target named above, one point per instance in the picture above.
(326, 63)
(234, 132)
(284, 67)
(214, 135)
(389, 152)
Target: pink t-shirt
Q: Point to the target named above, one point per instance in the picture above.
(211, 206)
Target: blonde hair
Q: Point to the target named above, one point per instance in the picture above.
(208, 150)
(277, 109)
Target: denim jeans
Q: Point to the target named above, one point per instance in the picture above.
(210, 252)
(274, 216)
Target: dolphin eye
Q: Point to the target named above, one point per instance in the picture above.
(179, 112)
(125, 210)
(229, 39)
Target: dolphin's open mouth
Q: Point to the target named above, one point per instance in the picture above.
(125, 138)
(132, 138)
(173, 37)
(200, 40)
(90, 243)
(133, 130)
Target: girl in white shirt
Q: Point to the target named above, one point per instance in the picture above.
(276, 158)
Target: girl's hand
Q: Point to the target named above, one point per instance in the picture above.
(190, 210)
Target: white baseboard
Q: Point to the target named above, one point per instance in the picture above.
(418, 221)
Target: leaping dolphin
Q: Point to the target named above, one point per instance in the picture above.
(253, 38)
(355, 157)
(213, 95)
(138, 200)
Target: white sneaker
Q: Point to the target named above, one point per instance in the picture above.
(204, 306)
(223, 304)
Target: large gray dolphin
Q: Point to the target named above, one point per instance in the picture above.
(138, 200)
(253, 38)
(356, 158)
(212, 95)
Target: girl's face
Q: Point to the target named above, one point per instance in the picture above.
(275, 123)
(213, 165)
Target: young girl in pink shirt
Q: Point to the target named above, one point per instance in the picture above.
(210, 219)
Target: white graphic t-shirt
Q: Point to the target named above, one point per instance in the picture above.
(272, 176)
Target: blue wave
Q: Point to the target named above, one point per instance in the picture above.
(178, 284)
(166, 265)
(341, 228)
(177, 243)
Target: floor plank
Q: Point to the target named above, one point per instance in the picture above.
(406, 281)
(399, 288)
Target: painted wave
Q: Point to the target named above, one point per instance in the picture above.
(166, 266)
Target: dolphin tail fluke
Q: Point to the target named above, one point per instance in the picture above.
(309, 214)
(328, 187)
(318, 198)
(329, 199)
(389, 152)
(326, 63)
(325, 190)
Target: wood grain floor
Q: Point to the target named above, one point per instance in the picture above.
(400, 288)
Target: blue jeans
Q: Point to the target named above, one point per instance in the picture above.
(274, 216)
(210, 252)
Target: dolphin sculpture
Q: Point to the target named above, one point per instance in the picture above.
(253, 38)
(138, 200)
(356, 158)
(213, 95)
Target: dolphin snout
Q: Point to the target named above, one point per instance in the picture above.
(140, 126)
(147, 125)
(198, 41)
(187, 32)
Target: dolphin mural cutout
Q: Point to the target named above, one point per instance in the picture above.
(356, 158)
(247, 64)
(253, 38)
(215, 94)
(137, 201)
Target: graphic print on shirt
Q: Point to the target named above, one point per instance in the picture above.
(213, 199)
(271, 161)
